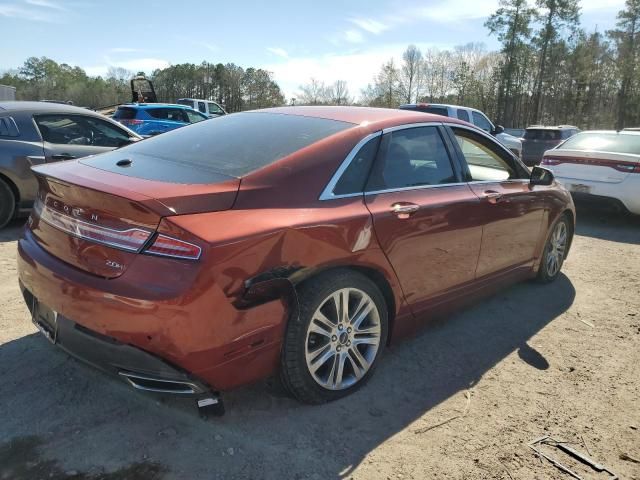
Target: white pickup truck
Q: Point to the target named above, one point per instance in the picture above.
(471, 115)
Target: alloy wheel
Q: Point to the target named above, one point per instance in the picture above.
(556, 248)
(342, 339)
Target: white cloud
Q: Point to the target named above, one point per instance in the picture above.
(210, 46)
(357, 67)
(353, 36)
(27, 13)
(370, 25)
(124, 50)
(135, 65)
(280, 52)
(46, 4)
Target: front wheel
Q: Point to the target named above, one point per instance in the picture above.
(333, 344)
(555, 251)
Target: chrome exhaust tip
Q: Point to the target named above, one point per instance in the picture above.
(160, 385)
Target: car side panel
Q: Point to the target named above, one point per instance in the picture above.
(18, 155)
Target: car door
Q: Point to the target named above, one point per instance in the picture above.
(511, 210)
(69, 136)
(423, 214)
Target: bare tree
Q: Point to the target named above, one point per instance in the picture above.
(339, 93)
(313, 93)
(411, 73)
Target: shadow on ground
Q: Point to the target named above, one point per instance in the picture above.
(607, 225)
(12, 231)
(73, 419)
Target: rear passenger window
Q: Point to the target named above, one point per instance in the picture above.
(463, 115)
(413, 157)
(173, 114)
(8, 127)
(202, 107)
(355, 176)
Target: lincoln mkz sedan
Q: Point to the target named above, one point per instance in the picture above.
(293, 241)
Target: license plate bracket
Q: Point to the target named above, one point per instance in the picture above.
(46, 320)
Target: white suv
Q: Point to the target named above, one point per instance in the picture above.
(209, 108)
(471, 115)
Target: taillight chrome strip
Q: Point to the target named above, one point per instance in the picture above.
(131, 239)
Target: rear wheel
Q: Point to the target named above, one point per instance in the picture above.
(7, 204)
(555, 251)
(333, 344)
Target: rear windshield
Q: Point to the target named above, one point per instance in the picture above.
(604, 142)
(428, 109)
(232, 145)
(542, 134)
(189, 103)
(125, 113)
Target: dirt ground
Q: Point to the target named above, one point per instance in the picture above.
(560, 360)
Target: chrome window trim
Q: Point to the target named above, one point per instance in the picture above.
(327, 193)
(416, 187)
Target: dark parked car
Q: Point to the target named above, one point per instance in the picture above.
(294, 240)
(538, 140)
(148, 119)
(32, 133)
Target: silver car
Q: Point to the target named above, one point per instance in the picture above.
(32, 133)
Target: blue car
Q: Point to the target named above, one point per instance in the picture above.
(148, 119)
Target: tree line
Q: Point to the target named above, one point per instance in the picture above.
(549, 70)
(230, 85)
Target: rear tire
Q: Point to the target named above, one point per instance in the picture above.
(555, 251)
(7, 204)
(330, 351)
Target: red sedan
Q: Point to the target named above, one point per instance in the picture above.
(298, 241)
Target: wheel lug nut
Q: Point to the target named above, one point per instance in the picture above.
(348, 344)
(349, 330)
(334, 338)
(340, 327)
(338, 348)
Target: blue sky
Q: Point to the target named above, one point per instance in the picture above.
(329, 39)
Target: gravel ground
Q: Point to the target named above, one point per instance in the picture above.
(461, 400)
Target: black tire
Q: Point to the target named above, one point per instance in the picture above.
(7, 204)
(546, 274)
(294, 372)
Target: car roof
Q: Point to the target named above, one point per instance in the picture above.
(440, 105)
(382, 117)
(154, 105)
(612, 132)
(552, 127)
(23, 106)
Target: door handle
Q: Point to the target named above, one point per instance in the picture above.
(403, 210)
(493, 196)
(62, 156)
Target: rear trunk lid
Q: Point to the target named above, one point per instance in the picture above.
(591, 166)
(98, 221)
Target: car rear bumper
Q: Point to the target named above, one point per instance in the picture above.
(175, 327)
(625, 194)
(140, 369)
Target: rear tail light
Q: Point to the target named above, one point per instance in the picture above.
(636, 169)
(131, 239)
(172, 247)
(550, 161)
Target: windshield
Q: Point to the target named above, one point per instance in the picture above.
(542, 134)
(604, 142)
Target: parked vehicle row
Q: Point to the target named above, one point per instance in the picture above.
(298, 241)
(149, 119)
(473, 116)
